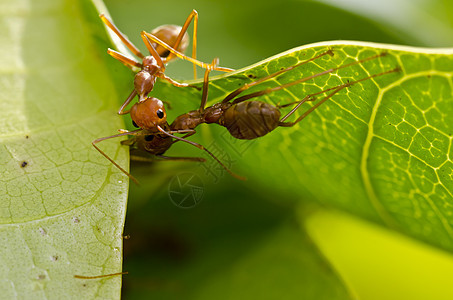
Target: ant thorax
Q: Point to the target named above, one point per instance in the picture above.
(150, 65)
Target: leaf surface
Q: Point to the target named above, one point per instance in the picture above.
(62, 204)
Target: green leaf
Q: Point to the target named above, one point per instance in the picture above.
(380, 149)
(62, 204)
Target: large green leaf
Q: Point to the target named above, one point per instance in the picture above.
(356, 152)
(380, 149)
(62, 205)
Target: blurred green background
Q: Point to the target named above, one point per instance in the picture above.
(178, 253)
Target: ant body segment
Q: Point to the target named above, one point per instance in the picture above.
(153, 65)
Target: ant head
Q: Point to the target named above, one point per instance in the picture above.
(169, 34)
(149, 113)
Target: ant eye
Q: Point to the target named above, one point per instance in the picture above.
(135, 124)
(160, 113)
(149, 138)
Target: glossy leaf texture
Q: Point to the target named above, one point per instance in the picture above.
(381, 148)
(62, 205)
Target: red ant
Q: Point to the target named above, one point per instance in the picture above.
(153, 65)
(243, 119)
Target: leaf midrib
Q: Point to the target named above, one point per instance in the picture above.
(380, 209)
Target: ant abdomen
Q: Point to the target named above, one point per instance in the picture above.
(169, 34)
(251, 119)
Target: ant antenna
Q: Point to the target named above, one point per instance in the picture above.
(135, 132)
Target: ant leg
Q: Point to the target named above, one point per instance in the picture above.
(160, 62)
(249, 85)
(204, 96)
(122, 36)
(305, 99)
(173, 82)
(135, 132)
(190, 131)
(311, 97)
(178, 84)
(124, 59)
(192, 16)
(335, 90)
(153, 52)
(100, 276)
(202, 148)
(181, 55)
(283, 86)
(128, 100)
(290, 124)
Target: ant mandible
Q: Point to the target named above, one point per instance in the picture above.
(153, 65)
